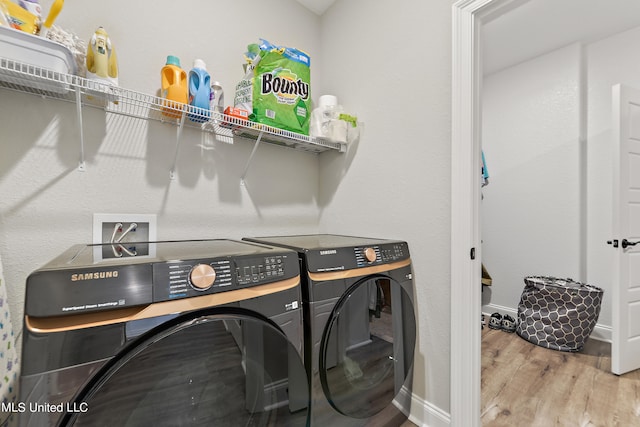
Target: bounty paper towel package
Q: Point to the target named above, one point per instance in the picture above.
(276, 87)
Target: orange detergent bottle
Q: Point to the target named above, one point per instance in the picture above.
(175, 90)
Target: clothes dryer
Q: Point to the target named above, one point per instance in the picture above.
(195, 333)
(360, 328)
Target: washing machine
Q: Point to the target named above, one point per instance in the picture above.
(195, 333)
(360, 327)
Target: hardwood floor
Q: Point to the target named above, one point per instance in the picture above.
(527, 385)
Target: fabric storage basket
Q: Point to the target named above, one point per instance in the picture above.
(558, 313)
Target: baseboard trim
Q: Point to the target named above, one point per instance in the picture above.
(600, 332)
(426, 414)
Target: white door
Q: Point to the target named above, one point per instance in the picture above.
(625, 348)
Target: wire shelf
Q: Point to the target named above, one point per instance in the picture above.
(35, 80)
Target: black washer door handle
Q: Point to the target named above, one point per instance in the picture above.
(626, 243)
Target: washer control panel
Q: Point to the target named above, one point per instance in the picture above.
(267, 269)
(182, 279)
(80, 280)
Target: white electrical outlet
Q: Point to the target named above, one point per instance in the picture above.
(125, 234)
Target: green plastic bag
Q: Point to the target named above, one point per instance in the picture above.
(276, 88)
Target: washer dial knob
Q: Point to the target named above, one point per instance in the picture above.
(370, 254)
(202, 276)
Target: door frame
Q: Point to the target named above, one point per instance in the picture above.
(468, 17)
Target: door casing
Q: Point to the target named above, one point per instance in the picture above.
(466, 255)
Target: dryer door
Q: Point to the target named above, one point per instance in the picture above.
(366, 353)
(202, 370)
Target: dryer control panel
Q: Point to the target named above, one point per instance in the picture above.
(183, 279)
(377, 254)
(354, 257)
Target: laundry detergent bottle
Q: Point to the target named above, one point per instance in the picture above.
(174, 88)
(199, 92)
(102, 63)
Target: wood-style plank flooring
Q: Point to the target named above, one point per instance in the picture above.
(527, 385)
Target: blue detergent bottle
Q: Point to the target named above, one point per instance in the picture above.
(199, 92)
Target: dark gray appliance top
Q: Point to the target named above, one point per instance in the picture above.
(319, 241)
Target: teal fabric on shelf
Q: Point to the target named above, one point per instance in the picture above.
(485, 171)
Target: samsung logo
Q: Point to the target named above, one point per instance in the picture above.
(329, 252)
(94, 276)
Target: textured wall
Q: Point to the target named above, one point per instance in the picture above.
(389, 65)
(531, 207)
(46, 204)
(392, 66)
(607, 62)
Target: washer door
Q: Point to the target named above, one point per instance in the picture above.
(202, 370)
(366, 353)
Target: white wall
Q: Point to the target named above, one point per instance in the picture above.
(531, 207)
(388, 64)
(607, 62)
(46, 204)
(392, 65)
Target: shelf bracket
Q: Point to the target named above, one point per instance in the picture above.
(81, 165)
(246, 168)
(172, 172)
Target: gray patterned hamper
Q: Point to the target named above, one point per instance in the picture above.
(559, 314)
